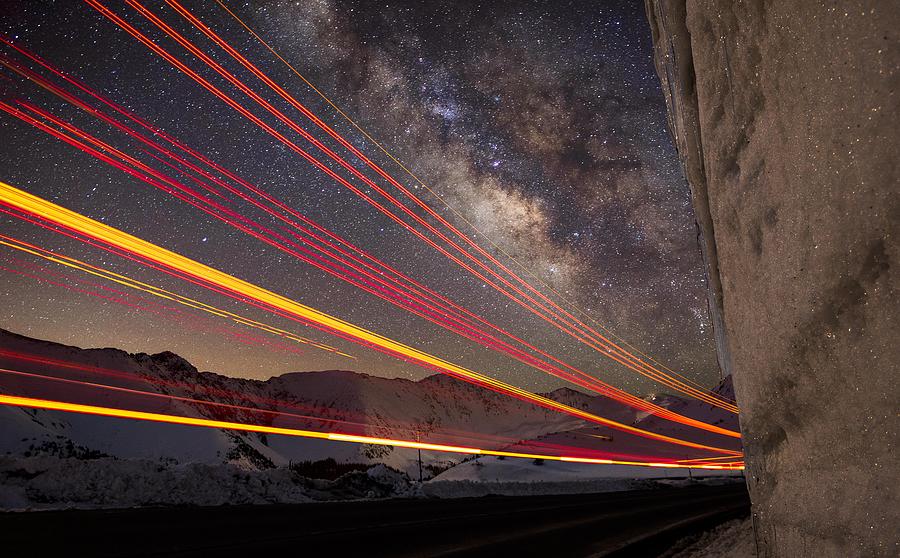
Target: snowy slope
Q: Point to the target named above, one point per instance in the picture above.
(493, 469)
(437, 409)
(614, 444)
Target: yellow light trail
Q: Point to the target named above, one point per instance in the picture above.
(332, 436)
(629, 399)
(51, 212)
(161, 293)
(291, 124)
(440, 199)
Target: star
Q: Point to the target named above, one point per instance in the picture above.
(537, 131)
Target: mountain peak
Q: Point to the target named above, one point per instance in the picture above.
(173, 362)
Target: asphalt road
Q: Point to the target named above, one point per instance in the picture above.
(613, 524)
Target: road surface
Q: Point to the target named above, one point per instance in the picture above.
(636, 523)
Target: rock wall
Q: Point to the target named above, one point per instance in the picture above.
(785, 115)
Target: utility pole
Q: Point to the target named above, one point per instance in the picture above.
(420, 458)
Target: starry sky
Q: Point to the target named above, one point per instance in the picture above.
(541, 123)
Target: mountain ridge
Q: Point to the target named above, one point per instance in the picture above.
(436, 408)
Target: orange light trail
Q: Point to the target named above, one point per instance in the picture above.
(599, 386)
(159, 292)
(58, 215)
(664, 413)
(453, 317)
(46, 276)
(345, 417)
(569, 324)
(464, 329)
(206, 403)
(702, 459)
(444, 202)
(332, 436)
(296, 104)
(344, 422)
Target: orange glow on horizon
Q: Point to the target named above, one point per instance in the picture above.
(58, 215)
(583, 380)
(159, 292)
(542, 306)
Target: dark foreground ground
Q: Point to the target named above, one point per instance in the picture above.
(613, 524)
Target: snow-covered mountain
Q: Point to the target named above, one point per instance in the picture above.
(626, 446)
(437, 409)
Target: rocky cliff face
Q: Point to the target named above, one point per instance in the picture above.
(785, 115)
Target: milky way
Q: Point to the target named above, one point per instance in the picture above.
(542, 125)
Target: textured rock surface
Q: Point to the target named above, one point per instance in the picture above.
(785, 115)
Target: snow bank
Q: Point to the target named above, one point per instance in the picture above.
(48, 482)
(525, 477)
(55, 482)
(493, 469)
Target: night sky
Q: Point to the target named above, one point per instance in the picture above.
(542, 123)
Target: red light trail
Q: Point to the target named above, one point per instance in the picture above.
(208, 189)
(349, 425)
(438, 198)
(557, 316)
(105, 234)
(275, 405)
(206, 30)
(331, 436)
(159, 292)
(412, 300)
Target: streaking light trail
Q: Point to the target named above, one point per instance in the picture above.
(263, 405)
(643, 368)
(185, 319)
(274, 408)
(440, 199)
(544, 308)
(267, 413)
(159, 292)
(23, 201)
(418, 300)
(332, 436)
